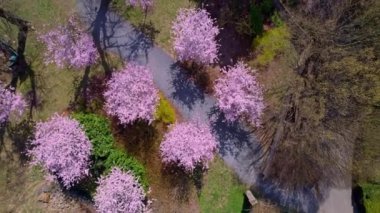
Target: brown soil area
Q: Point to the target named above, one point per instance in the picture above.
(171, 189)
(233, 45)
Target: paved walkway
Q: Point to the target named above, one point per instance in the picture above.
(114, 34)
(118, 36)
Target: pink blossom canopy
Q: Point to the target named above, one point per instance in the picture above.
(69, 45)
(119, 192)
(239, 94)
(62, 149)
(144, 4)
(131, 95)
(194, 36)
(10, 103)
(188, 145)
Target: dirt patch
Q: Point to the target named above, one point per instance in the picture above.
(202, 76)
(171, 189)
(233, 44)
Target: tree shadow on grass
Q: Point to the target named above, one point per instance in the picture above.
(19, 136)
(229, 15)
(139, 138)
(81, 94)
(20, 133)
(179, 181)
(197, 179)
(98, 27)
(142, 140)
(88, 96)
(112, 33)
(3, 148)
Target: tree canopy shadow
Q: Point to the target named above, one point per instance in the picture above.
(239, 148)
(21, 135)
(179, 181)
(98, 27)
(300, 200)
(233, 137)
(185, 91)
(138, 138)
(81, 94)
(230, 16)
(89, 97)
(21, 69)
(112, 33)
(18, 135)
(141, 40)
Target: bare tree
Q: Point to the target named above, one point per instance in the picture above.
(308, 143)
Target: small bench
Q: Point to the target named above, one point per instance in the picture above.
(252, 200)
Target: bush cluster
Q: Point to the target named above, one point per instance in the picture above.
(118, 158)
(165, 112)
(258, 14)
(105, 155)
(371, 197)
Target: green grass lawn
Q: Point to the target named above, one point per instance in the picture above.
(371, 195)
(160, 17)
(222, 191)
(19, 183)
(54, 86)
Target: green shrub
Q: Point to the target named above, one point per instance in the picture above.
(258, 13)
(98, 131)
(125, 162)
(271, 43)
(371, 195)
(257, 20)
(165, 112)
(276, 19)
(267, 7)
(105, 154)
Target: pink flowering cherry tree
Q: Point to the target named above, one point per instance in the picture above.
(131, 95)
(69, 45)
(239, 94)
(119, 192)
(188, 145)
(63, 150)
(194, 36)
(143, 4)
(10, 103)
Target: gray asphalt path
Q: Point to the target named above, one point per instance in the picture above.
(236, 142)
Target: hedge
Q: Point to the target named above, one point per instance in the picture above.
(105, 155)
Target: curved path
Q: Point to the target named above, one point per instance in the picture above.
(112, 33)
